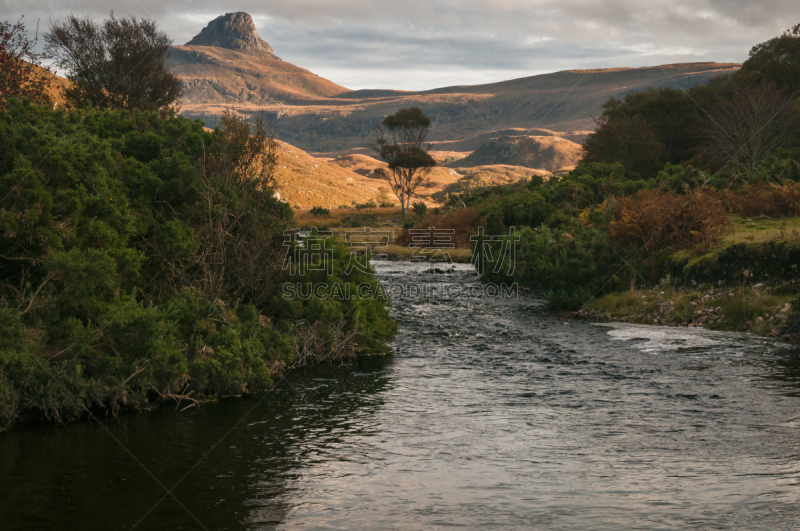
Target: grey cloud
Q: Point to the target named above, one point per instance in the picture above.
(460, 41)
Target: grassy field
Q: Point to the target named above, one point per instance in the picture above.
(750, 231)
(760, 230)
(347, 218)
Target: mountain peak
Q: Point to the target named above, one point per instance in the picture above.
(234, 31)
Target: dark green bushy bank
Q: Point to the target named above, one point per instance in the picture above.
(141, 262)
(600, 229)
(660, 183)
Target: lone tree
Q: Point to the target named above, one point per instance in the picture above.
(21, 73)
(119, 64)
(400, 140)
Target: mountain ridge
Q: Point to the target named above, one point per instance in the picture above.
(226, 67)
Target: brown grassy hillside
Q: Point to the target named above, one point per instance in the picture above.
(304, 181)
(320, 116)
(485, 176)
(446, 180)
(217, 78)
(549, 153)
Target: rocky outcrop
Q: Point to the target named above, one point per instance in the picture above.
(233, 31)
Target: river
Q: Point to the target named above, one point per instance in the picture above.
(491, 413)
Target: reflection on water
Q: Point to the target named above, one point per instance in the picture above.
(491, 413)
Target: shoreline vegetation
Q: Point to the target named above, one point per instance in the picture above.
(759, 310)
(141, 259)
(747, 282)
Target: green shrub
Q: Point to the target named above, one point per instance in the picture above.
(141, 258)
(368, 204)
(419, 208)
(569, 268)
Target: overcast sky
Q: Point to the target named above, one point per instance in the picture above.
(422, 44)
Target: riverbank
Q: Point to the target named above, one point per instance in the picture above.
(759, 309)
(744, 283)
(399, 252)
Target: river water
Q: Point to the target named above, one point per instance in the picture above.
(491, 413)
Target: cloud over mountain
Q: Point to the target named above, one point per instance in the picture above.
(417, 44)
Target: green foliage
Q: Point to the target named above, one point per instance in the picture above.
(568, 267)
(320, 211)
(680, 179)
(419, 208)
(527, 208)
(335, 303)
(114, 295)
(591, 184)
(648, 129)
(782, 165)
(776, 60)
(628, 140)
(367, 204)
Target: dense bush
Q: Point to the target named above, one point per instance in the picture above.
(141, 261)
(647, 129)
(419, 208)
(320, 211)
(591, 184)
(651, 221)
(764, 200)
(626, 140)
(569, 268)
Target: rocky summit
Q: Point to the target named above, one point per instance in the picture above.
(234, 31)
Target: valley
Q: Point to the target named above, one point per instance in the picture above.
(495, 133)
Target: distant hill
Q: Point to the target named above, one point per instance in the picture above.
(549, 153)
(486, 176)
(304, 181)
(228, 65)
(562, 102)
(474, 142)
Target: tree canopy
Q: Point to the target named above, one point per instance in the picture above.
(776, 60)
(119, 64)
(141, 260)
(401, 141)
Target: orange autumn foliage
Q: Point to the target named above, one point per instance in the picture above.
(764, 200)
(650, 221)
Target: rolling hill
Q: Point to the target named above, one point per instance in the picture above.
(551, 153)
(304, 181)
(229, 66)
